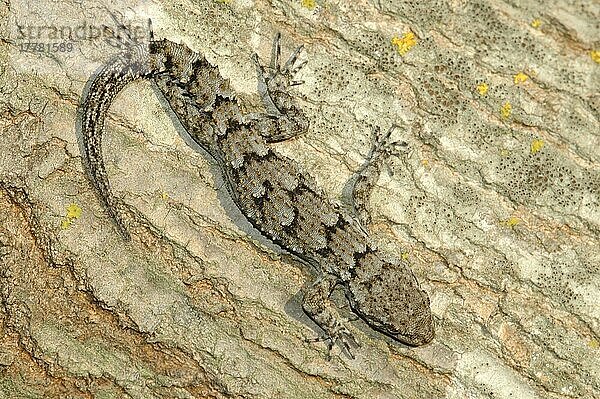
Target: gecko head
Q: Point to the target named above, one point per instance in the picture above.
(388, 297)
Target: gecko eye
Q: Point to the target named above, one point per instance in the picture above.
(388, 297)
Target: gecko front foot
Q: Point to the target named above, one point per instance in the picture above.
(340, 333)
(321, 310)
(382, 147)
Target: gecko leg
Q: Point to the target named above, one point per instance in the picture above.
(322, 311)
(283, 119)
(369, 173)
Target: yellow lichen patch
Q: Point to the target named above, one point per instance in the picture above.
(594, 344)
(425, 162)
(512, 221)
(536, 23)
(310, 4)
(482, 88)
(520, 78)
(404, 255)
(536, 145)
(73, 212)
(506, 110)
(404, 43)
(164, 196)
(504, 152)
(595, 54)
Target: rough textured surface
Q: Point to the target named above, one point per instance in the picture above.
(495, 205)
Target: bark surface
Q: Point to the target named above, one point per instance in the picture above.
(496, 204)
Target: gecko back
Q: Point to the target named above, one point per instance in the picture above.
(286, 205)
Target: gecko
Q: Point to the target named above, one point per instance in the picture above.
(274, 194)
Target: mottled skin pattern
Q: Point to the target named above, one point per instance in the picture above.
(109, 81)
(276, 197)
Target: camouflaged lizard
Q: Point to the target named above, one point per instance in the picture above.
(276, 197)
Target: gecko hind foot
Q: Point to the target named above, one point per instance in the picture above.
(280, 77)
(276, 79)
(122, 37)
(274, 86)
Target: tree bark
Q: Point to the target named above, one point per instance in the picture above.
(495, 204)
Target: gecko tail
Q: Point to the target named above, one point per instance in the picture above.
(111, 79)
